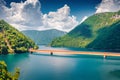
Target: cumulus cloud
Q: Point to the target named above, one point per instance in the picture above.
(108, 6)
(83, 19)
(60, 19)
(2, 2)
(2, 12)
(27, 15)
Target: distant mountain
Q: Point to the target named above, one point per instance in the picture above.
(13, 41)
(44, 37)
(100, 31)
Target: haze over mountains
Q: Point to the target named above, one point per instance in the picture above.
(44, 37)
(100, 31)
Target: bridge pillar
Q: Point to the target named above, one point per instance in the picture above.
(51, 53)
(104, 56)
(30, 50)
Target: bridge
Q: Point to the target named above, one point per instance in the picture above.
(104, 54)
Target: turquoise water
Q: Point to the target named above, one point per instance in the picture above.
(40, 66)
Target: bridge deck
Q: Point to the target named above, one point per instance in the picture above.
(76, 52)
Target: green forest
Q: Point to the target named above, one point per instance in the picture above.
(13, 41)
(6, 75)
(99, 31)
(43, 37)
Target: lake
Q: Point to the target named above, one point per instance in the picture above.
(42, 66)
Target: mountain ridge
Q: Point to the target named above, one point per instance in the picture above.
(45, 36)
(84, 34)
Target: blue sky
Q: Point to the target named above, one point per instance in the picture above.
(79, 8)
(63, 15)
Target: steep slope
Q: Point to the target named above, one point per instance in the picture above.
(44, 37)
(13, 41)
(108, 38)
(94, 33)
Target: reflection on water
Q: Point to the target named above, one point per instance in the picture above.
(40, 66)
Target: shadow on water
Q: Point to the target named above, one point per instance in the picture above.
(115, 73)
(113, 58)
(78, 56)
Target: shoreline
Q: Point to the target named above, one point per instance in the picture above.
(76, 52)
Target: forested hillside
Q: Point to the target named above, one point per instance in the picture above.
(13, 41)
(100, 31)
(44, 37)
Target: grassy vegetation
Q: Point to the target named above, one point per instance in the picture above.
(5, 75)
(108, 38)
(95, 29)
(13, 41)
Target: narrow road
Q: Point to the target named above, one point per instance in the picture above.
(7, 42)
(9, 46)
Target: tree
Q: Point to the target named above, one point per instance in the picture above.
(5, 75)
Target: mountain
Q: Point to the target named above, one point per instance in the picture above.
(100, 31)
(43, 37)
(13, 41)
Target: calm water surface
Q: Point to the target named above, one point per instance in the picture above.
(40, 66)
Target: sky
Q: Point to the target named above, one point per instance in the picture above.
(78, 8)
(63, 15)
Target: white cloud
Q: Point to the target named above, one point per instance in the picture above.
(83, 19)
(108, 6)
(60, 19)
(2, 2)
(2, 12)
(27, 15)
(28, 12)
